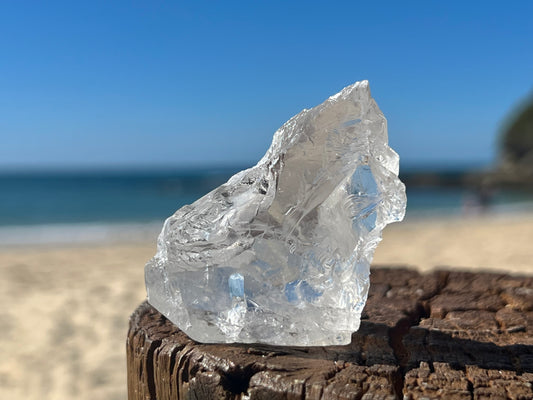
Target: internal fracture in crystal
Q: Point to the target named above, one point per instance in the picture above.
(280, 254)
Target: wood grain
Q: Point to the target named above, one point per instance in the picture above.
(449, 335)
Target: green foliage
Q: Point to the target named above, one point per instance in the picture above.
(517, 139)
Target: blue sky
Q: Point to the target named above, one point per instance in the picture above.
(118, 84)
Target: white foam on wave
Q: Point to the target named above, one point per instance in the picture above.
(79, 233)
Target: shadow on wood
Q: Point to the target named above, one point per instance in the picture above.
(452, 335)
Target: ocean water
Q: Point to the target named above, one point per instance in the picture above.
(96, 206)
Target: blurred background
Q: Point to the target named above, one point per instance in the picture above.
(115, 114)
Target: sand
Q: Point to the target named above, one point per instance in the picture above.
(498, 243)
(64, 320)
(65, 310)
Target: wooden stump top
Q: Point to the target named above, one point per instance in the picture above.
(449, 335)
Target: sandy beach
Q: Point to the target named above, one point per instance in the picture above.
(65, 308)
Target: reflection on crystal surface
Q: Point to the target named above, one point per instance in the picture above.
(280, 253)
(236, 285)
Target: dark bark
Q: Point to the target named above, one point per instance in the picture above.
(450, 335)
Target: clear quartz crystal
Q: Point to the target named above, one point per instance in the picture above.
(280, 254)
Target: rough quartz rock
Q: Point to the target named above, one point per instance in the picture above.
(280, 254)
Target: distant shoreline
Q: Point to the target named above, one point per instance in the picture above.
(79, 234)
(121, 206)
(111, 233)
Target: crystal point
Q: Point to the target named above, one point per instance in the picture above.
(280, 254)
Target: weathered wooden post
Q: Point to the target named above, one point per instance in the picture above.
(448, 335)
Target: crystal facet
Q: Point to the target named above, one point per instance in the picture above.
(280, 254)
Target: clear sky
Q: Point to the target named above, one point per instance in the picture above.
(152, 83)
